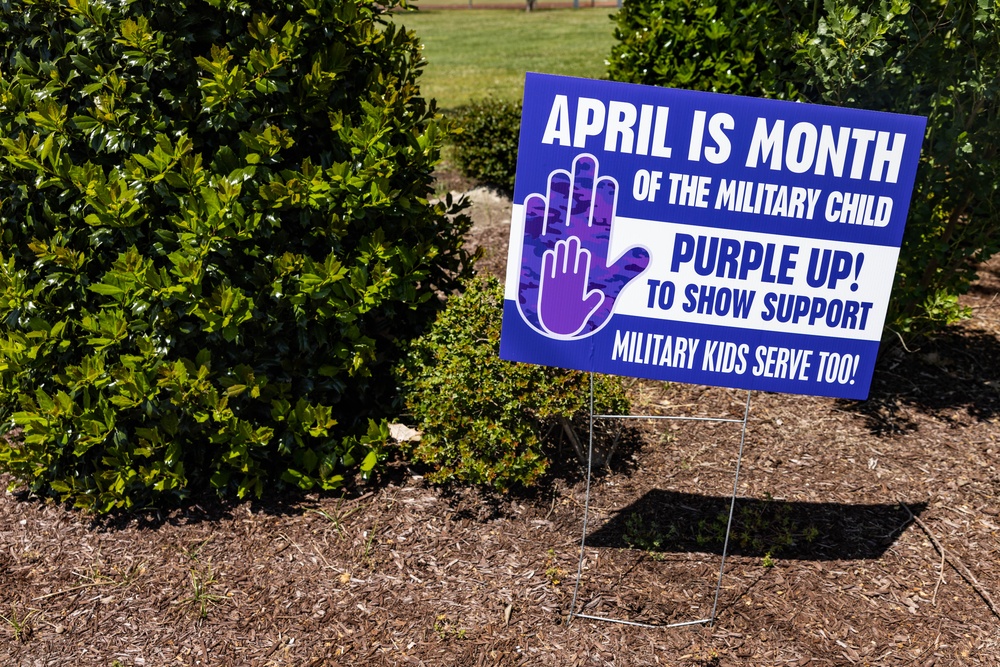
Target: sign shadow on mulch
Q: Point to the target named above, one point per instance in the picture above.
(668, 521)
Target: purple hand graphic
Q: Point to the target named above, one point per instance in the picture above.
(571, 227)
(564, 304)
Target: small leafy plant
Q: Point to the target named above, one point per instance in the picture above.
(553, 572)
(647, 535)
(20, 624)
(487, 421)
(767, 526)
(445, 628)
(202, 597)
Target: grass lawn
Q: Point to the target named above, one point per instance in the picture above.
(475, 53)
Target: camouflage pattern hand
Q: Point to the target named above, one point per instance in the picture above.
(568, 284)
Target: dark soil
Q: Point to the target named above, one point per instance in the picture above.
(866, 533)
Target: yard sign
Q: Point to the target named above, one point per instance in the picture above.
(705, 238)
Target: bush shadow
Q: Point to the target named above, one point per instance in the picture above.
(276, 501)
(668, 521)
(956, 369)
(616, 443)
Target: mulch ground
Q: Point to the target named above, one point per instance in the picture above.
(866, 533)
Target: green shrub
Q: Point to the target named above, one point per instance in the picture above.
(485, 420)
(934, 59)
(215, 237)
(725, 46)
(485, 145)
(929, 58)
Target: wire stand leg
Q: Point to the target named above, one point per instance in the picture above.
(586, 501)
(732, 508)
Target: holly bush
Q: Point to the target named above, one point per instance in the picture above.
(485, 143)
(724, 46)
(214, 239)
(933, 58)
(487, 421)
(939, 59)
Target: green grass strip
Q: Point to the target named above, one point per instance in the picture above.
(473, 54)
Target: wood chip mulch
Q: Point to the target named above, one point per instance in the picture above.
(866, 533)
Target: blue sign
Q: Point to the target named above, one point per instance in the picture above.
(705, 238)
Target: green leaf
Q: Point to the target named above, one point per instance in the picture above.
(107, 290)
(368, 464)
